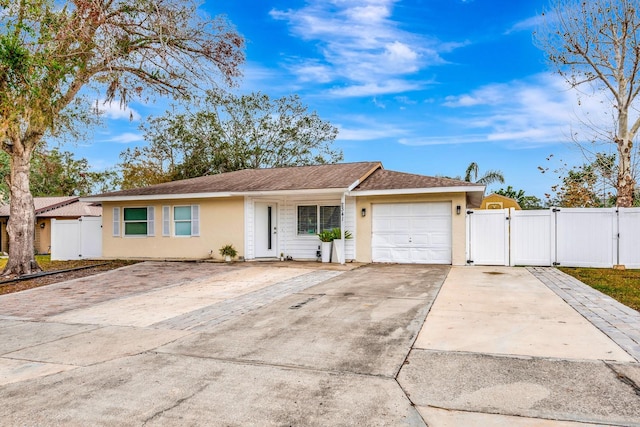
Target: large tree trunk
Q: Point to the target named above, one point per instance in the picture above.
(21, 224)
(625, 184)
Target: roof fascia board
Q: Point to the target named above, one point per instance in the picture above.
(154, 197)
(364, 177)
(431, 190)
(212, 195)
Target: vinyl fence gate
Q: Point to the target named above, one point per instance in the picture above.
(572, 237)
(76, 238)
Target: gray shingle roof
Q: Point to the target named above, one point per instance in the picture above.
(335, 176)
(371, 177)
(383, 179)
(43, 204)
(76, 209)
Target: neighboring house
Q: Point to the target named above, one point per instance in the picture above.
(497, 201)
(47, 208)
(393, 216)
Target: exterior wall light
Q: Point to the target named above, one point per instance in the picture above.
(363, 212)
(458, 208)
(42, 225)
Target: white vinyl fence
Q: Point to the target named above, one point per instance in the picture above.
(76, 238)
(572, 237)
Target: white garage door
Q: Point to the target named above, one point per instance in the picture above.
(416, 233)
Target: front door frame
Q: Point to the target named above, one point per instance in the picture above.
(265, 246)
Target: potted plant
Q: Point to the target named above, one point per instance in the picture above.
(338, 244)
(228, 252)
(326, 237)
(281, 256)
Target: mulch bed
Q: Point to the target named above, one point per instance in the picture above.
(99, 267)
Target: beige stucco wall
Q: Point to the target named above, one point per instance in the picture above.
(43, 236)
(221, 223)
(458, 224)
(506, 202)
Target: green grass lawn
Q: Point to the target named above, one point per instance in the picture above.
(622, 285)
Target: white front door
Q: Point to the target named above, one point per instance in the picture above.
(266, 230)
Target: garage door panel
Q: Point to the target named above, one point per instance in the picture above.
(391, 254)
(393, 210)
(387, 226)
(391, 240)
(423, 255)
(440, 239)
(411, 233)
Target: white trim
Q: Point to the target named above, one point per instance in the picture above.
(354, 185)
(277, 193)
(336, 191)
(195, 220)
(432, 190)
(166, 221)
(115, 231)
(151, 221)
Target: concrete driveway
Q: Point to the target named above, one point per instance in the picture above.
(308, 344)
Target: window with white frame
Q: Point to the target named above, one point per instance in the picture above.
(137, 221)
(313, 219)
(329, 217)
(185, 220)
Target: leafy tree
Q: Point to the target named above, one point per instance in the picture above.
(230, 133)
(525, 202)
(491, 176)
(51, 49)
(59, 173)
(595, 43)
(588, 185)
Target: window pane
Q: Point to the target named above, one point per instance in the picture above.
(183, 228)
(135, 214)
(307, 219)
(135, 228)
(329, 217)
(182, 213)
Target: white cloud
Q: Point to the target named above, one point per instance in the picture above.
(523, 113)
(312, 71)
(115, 111)
(379, 104)
(365, 128)
(372, 89)
(360, 46)
(126, 138)
(528, 24)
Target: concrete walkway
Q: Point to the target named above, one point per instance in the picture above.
(617, 321)
(500, 348)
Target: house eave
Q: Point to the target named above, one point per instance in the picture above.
(430, 190)
(182, 196)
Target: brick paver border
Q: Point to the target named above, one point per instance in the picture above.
(616, 320)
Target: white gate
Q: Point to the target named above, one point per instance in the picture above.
(488, 237)
(585, 237)
(76, 238)
(629, 229)
(531, 242)
(571, 237)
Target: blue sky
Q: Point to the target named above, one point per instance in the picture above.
(425, 86)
